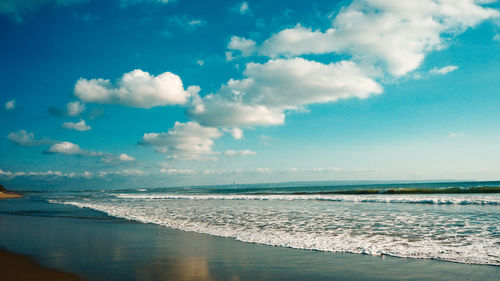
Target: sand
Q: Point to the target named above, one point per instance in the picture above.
(19, 268)
(9, 195)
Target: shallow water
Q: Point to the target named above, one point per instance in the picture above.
(115, 249)
(462, 228)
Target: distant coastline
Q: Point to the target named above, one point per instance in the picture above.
(7, 194)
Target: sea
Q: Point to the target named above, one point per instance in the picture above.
(453, 227)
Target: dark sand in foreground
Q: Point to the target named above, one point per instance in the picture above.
(14, 267)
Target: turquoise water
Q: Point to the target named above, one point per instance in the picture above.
(462, 228)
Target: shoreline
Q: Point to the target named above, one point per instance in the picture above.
(9, 195)
(124, 250)
(17, 267)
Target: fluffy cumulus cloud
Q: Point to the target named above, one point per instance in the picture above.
(397, 34)
(10, 105)
(278, 85)
(18, 9)
(443, 70)
(78, 126)
(232, 153)
(135, 89)
(379, 37)
(69, 148)
(245, 46)
(74, 108)
(24, 138)
(185, 141)
(216, 110)
(66, 148)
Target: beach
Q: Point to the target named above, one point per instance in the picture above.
(6, 194)
(121, 250)
(14, 267)
(97, 246)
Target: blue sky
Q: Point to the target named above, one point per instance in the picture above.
(126, 93)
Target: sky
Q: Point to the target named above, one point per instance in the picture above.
(156, 93)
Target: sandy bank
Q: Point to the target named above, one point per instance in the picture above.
(6, 194)
(9, 195)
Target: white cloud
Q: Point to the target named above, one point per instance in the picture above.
(380, 36)
(69, 148)
(126, 172)
(126, 158)
(113, 159)
(496, 37)
(236, 132)
(53, 175)
(66, 148)
(172, 171)
(135, 89)
(245, 46)
(185, 141)
(10, 105)
(232, 153)
(43, 174)
(443, 70)
(214, 110)
(196, 22)
(297, 41)
(244, 8)
(278, 85)
(200, 62)
(75, 108)
(80, 126)
(24, 138)
(229, 56)
(18, 9)
(397, 33)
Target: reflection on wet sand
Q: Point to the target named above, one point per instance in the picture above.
(189, 268)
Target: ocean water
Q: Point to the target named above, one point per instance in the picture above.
(463, 228)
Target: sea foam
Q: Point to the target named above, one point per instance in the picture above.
(454, 228)
(409, 199)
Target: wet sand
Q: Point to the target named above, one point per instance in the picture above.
(14, 267)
